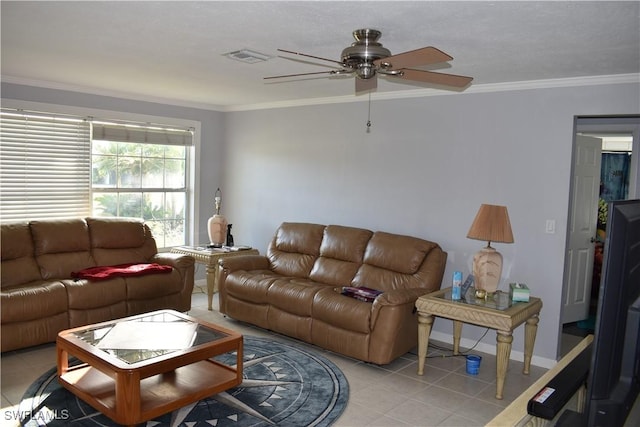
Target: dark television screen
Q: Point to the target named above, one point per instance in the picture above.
(614, 376)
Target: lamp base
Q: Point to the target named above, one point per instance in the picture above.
(217, 228)
(487, 269)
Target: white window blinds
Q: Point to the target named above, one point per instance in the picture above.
(45, 166)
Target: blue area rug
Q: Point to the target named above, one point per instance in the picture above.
(283, 385)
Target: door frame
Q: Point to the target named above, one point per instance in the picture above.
(602, 124)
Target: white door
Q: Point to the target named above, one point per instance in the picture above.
(583, 222)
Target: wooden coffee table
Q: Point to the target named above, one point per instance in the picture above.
(140, 367)
(497, 313)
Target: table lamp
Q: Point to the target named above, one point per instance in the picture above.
(217, 224)
(491, 224)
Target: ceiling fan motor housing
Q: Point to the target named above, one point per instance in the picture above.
(361, 54)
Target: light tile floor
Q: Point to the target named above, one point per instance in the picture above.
(389, 395)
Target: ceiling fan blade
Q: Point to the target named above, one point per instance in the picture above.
(413, 58)
(436, 78)
(366, 85)
(309, 56)
(299, 74)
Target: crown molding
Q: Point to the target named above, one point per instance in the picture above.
(111, 93)
(377, 96)
(421, 93)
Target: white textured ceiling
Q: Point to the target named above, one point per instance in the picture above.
(173, 51)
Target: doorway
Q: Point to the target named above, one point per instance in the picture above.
(604, 167)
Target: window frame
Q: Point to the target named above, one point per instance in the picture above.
(193, 164)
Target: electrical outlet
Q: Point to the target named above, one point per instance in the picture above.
(550, 226)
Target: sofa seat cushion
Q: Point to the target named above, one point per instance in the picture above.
(250, 286)
(85, 294)
(294, 295)
(33, 300)
(153, 286)
(341, 311)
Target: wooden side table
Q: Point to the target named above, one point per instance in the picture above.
(210, 257)
(497, 313)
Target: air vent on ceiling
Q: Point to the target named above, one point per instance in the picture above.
(248, 56)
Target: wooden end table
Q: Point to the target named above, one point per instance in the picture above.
(210, 257)
(140, 367)
(497, 312)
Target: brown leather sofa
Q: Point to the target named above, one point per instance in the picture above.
(39, 298)
(296, 288)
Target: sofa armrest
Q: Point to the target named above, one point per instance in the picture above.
(227, 265)
(244, 262)
(185, 266)
(175, 260)
(400, 296)
(399, 299)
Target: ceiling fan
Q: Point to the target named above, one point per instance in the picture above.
(366, 58)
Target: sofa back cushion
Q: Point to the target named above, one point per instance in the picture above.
(348, 256)
(403, 254)
(61, 246)
(393, 261)
(294, 248)
(341, 253)
(18, 255)
(117, 241)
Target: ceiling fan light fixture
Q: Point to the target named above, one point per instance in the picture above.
(366, 70)
(248, 56)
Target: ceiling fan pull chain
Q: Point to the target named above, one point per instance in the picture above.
(369, 115)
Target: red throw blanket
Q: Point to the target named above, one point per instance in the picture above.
(123, 270)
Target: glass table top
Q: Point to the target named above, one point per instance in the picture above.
(498, 301)
(146, 337)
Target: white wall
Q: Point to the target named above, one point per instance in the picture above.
(424, 170)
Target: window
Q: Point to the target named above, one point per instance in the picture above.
(139, 171)
(55, 166)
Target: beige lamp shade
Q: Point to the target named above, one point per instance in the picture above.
(491, 224)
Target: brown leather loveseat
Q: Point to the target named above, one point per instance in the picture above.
(296, 288)
(39, 297)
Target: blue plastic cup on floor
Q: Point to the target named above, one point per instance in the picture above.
(473, 364)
